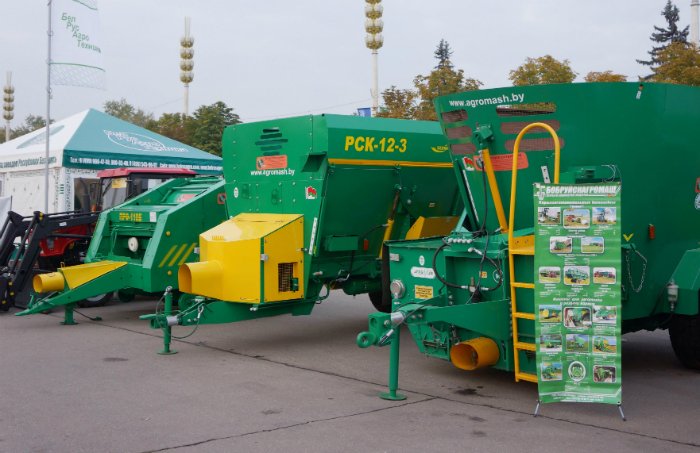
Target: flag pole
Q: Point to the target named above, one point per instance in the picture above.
(48, 114)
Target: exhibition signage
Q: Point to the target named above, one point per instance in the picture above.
(578, 293)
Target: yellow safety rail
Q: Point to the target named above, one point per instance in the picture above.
(523, 245)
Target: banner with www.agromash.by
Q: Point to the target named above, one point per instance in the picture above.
(76, 53)
(578, 292)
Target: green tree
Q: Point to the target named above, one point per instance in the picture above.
(31, 123)
(418, 103)
(398, 103)
(665, 36)
(678, 63)
(207, 126)
(605, 76)
(542, 70)
(127, 112)
(174, 125)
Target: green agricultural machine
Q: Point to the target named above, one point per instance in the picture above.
(455, 293)
(137, 246)
(311, 200)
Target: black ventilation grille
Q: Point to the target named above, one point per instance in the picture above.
(285, 273)
(271, 140)
(455, 116)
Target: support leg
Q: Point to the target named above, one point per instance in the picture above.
(537, 409)
(167, 329)
(68, 319)
(394, 369)
(622, 414)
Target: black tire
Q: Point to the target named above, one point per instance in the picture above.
(96, 301)
(685, 339)
(377, 300)
(125, 296)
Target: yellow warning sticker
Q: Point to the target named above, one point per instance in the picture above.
(119, 183)
(423, 292)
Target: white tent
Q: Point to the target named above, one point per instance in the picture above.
(80, 146)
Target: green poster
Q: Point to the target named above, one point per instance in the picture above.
(577, 292)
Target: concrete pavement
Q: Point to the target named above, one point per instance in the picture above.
(301, 384)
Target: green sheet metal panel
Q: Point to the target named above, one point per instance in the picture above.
(342, 173)
(644, 135)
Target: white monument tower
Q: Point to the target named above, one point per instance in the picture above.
(694, 34)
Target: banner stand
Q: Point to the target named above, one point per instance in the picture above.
(619, 408)
(578, 293)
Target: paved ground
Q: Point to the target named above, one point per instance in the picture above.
(300, 384)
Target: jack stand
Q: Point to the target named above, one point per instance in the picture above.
(537, 409)
(394, 369)
(68, 319)
(167, 329)
(622, 414)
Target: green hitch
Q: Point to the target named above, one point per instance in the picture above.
(167, 326)
(393, 335)
(68, 319)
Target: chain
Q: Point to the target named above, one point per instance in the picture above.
(629, 270)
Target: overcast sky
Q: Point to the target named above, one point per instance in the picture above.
(276, 58)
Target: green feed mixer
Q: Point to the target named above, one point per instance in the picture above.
(137, 246)
(455, 293)
(311, 200)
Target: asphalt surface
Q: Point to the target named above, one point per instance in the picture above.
(298, 384)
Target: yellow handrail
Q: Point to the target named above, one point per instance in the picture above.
(495, 193)
(511, 229)
(514, 176)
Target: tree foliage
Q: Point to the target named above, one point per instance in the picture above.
(127, 112)
(202, 130)
(417, 103)
(398, 103)
(665, 36)
(542, 70)
(678, 63)
(605, 76)
(31, 123)
(208, 123)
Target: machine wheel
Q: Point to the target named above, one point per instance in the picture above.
(685, 339)
(125, 296)
(376, 298)
(95, 301)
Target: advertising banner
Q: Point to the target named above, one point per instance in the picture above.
(76, 53)
(578, 292)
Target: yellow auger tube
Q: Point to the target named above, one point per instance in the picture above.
(474, 354)
(201, 278)
(44, 283)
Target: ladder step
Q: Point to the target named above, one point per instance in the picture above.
(523, 285)
(523, 315)
(526, 377)
(523, 245)
(524, 346)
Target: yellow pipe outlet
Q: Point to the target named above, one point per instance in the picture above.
(203, 278)
(44, 283)
(473, 354)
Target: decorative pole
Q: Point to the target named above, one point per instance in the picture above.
(187, 63)
(49, 35)
(374, 41)
(694, 33)
(8, 106)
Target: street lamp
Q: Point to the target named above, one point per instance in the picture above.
(374, 41)
(8, 106)
(187, 63)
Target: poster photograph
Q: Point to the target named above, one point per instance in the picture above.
(577, 292)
